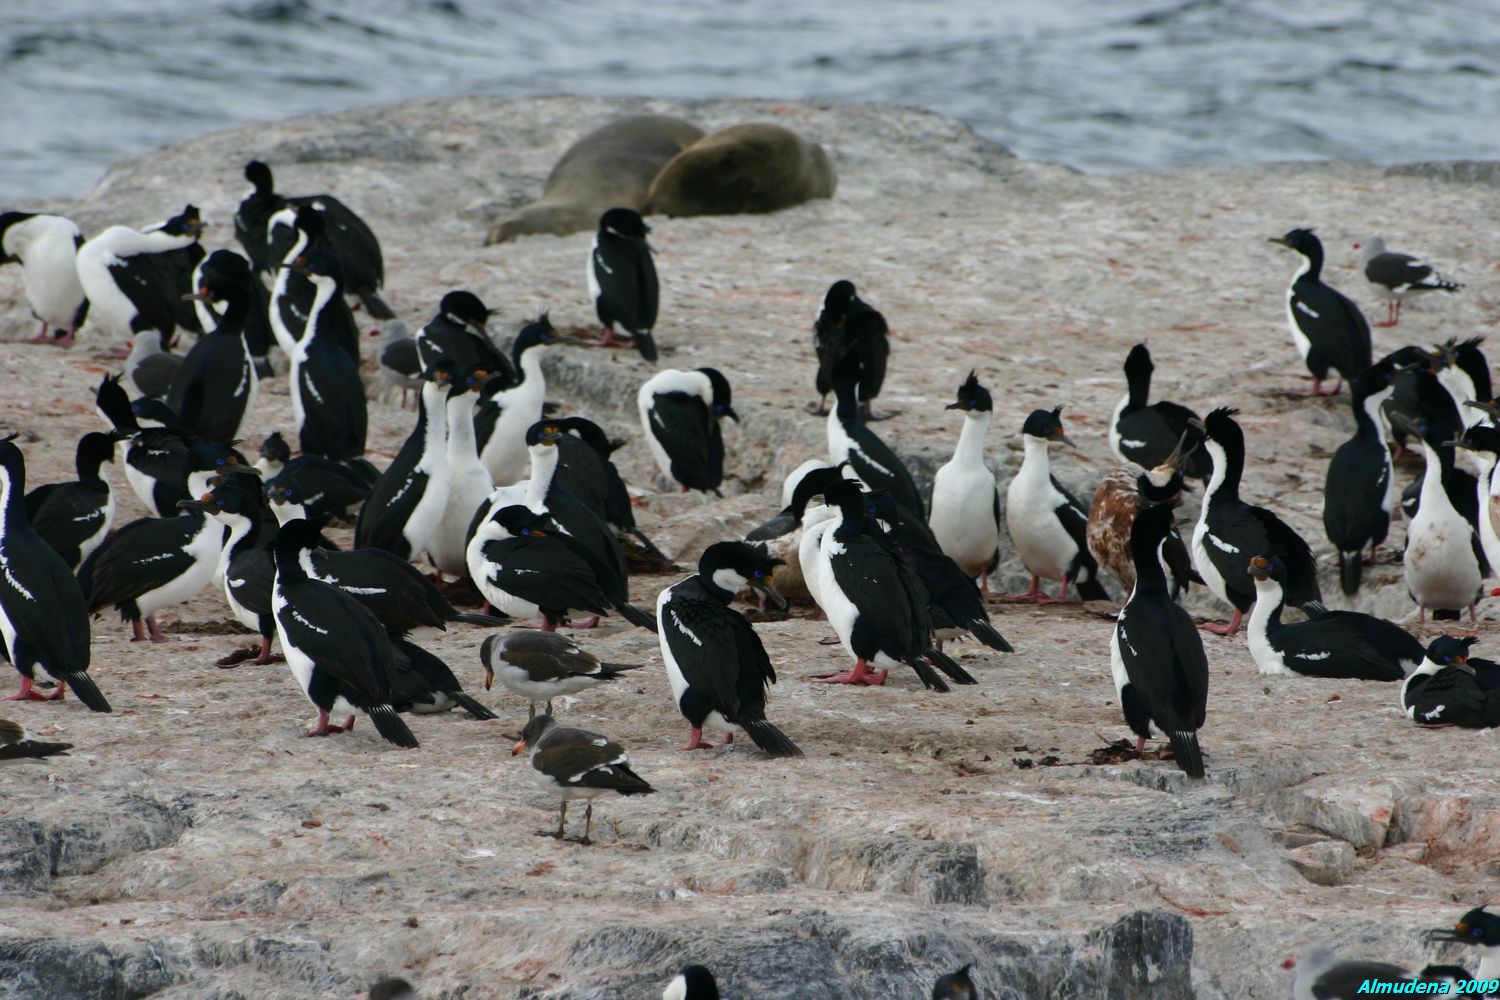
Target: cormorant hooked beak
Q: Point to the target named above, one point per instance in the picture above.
(762, 586)
(1280, 240)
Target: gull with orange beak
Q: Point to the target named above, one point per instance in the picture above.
(576, 764)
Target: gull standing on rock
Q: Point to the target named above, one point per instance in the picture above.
(1047, 525)
(539, 666)
(46, 247)
(577, 764)
(1397, 276)
(680, 414)
(622, 281)
(1329, 330)
(399, 360)
(965, 501)
(716, 663)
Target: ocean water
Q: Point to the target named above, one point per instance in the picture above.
(1102, 85)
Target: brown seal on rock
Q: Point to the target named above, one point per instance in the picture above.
(611, 167)
(756, 167)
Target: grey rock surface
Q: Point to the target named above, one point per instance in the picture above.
(196, 845)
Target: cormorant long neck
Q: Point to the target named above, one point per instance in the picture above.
(543, 468)
(1138, 381)
(1314, 254)
(12, 489)
(432, 423)
(1145, 552)
(88, 463)
(237, 303)
(970, 448)
(1229, 465)
(1270, 598)
(1367, 419)
(847, 408)
(461, 446)
(288, 555)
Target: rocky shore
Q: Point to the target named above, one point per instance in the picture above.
(195, 845)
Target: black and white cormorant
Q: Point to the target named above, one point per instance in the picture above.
(1330, 643)
(75, 517)
(256, 326)
(459, 334)
(1396, 277)
(871, 459)
(507, 407)
(1144, 432)
(577, 764)
(348, 236)
(1047, 525)
(1478, 929)
(539, 666)
(328, 395)
(1156, 655)
(965, 515)
(874, 600)
(245, 565)
(1446, 690)
(694, 982)
(716, 664)
(850, 334)
(544, 496)
(293, 291)
(622, 281)
(325, 487)
(469, 482)
(1444, 560)
(1230, 532)
(153, 456)
(1329, 330)
(586, 470)
(214, 389)
(532, 567)
(1360, 489)
(46, 247)
(157, 562)
(680, 414)
(135, 279)
(954, 601)
(337, 650)
(394, 590)
(43, 617)
(1482, 442)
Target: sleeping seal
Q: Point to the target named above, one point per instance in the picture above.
(756, 167)
(611, 167)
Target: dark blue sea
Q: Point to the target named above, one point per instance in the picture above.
(1102, 85)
